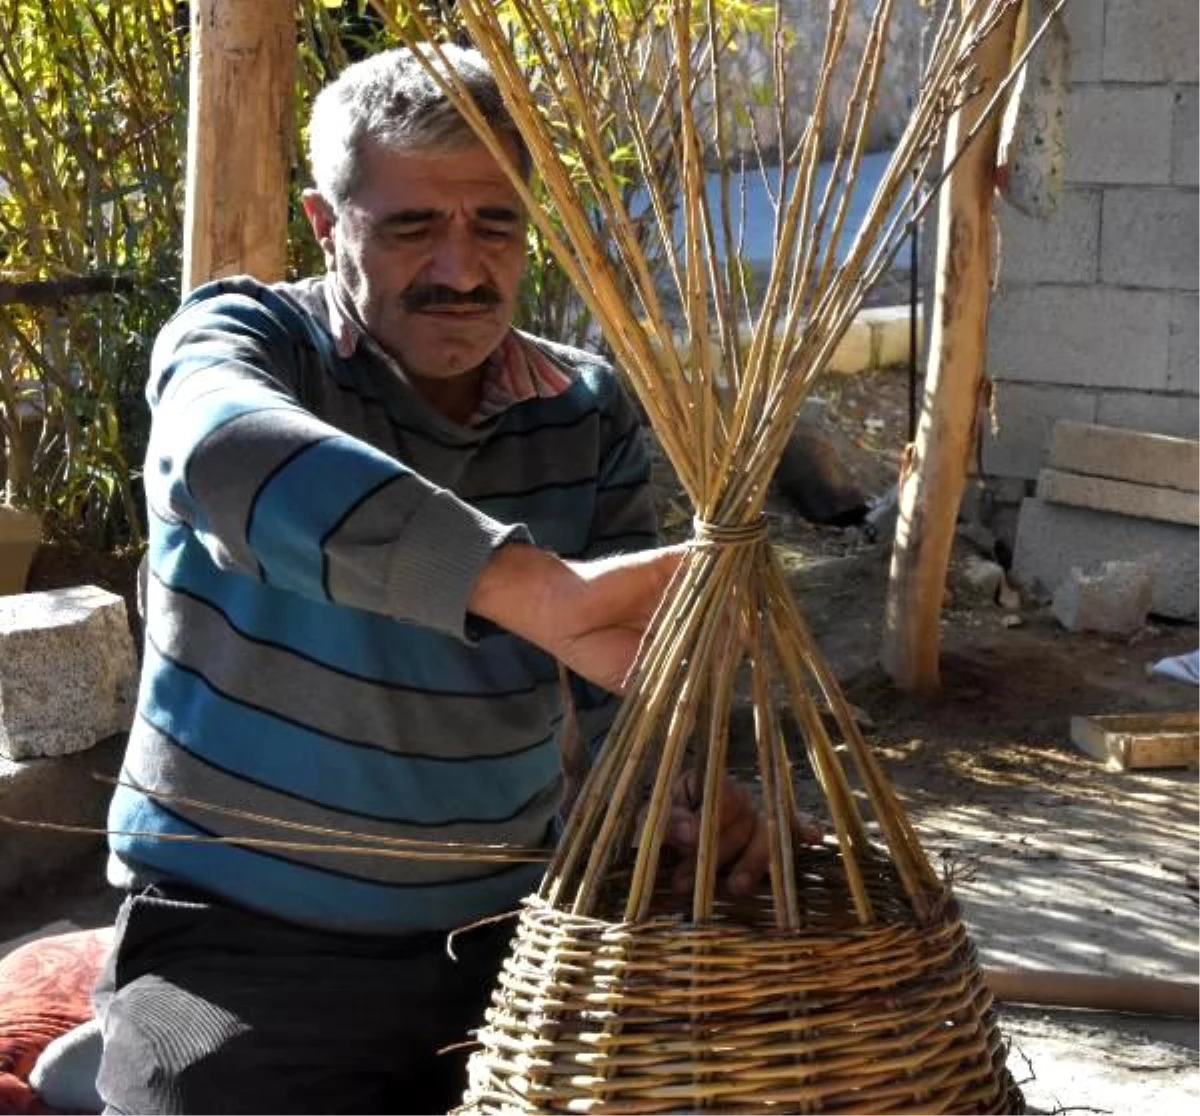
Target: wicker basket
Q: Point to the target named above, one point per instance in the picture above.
(734, 1016)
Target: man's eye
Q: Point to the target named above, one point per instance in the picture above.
(496, 232)
(408, 233)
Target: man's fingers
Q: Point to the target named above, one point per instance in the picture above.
(751, 866)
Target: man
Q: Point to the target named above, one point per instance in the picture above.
(380, 520)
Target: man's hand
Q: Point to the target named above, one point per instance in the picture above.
(591, 616)
(742, 843)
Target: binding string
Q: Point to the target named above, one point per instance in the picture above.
(730, 534)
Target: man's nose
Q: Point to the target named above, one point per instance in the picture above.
(457, 262)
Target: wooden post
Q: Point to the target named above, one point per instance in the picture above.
(243, 62)
(933, 475)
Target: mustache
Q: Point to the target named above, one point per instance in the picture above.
(434, 294)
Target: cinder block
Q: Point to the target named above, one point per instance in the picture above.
(1064, 249)
(1150, 41)
(1183, 356)
(1024, 417)
(63, 791)
(1128, 455)
(1142, 501)
(1119, 135)
(1140, 410)
(1052, 539)
(1150, 238)
(1085, 25)
(1086, 336)
(1185, 146)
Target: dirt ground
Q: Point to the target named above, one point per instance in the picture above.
(1060, 865)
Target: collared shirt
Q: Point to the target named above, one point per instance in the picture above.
(514, 373)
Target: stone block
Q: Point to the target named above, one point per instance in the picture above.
(1142, 410)
(1086, 336)
(1185, 146)
(1183, 355)
(1053, 539)
(1117, 136)
(1063, 249)
(1114, 598)
(1142, 501)
(1150, 238)
(1128, 455)
(1150, 42)
(63, 791)
(1085, 26)
(68, 671)
(20, 534)
(1015, 445)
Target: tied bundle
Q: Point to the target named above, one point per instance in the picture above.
(850, 984)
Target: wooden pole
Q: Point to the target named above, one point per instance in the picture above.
(1142, 995)
(243, 62)
(934, 472)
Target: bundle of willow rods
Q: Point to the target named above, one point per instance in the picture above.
(849, 984)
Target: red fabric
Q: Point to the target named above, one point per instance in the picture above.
(45, 990)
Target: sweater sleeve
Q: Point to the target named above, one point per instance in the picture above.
(272, 491)
(624, 521)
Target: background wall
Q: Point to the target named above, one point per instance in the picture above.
(1095, 314)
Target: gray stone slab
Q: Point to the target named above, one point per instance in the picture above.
(1142, 501)
(1150, 238)
(1117, 135)
(1185, 143)
(1128, 455)
(1015, 445)
(1052, 539)
(1146, 42)
(1063, 249)
(1089, 336)
(61, 791)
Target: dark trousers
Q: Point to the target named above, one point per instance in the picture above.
(209, 1008)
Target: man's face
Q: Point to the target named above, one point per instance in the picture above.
(430, 250)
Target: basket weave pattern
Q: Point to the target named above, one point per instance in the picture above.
(592, 1015)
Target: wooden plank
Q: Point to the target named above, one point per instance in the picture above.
(1134, 741)
(243, 59)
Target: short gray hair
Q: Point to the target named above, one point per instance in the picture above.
(391, 98)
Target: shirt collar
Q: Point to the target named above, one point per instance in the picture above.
(515, 373)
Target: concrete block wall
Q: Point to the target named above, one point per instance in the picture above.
(1095, 313)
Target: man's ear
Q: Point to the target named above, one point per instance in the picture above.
(323, 219)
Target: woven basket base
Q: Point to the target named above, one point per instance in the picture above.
(663, 1016)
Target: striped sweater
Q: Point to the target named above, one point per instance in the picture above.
(316, 530)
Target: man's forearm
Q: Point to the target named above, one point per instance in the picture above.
(591, 616)
(523, 589)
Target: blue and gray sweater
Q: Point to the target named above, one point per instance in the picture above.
(315, 532)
